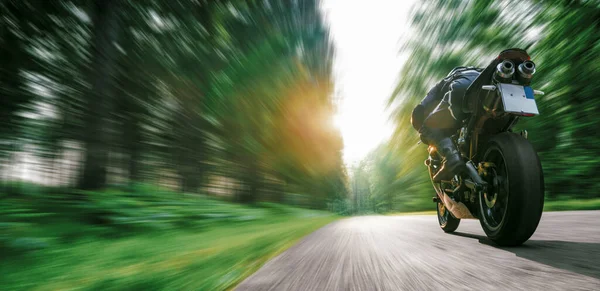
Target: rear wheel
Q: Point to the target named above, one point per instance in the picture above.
(511, 208)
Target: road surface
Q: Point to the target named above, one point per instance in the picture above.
(412, 253)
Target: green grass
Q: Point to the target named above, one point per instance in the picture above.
(429, 212)
(572, 204)
(113, 241)
(549, 205)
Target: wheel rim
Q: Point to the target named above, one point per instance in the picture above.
(494, 202)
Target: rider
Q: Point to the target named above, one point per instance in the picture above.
(439, 115)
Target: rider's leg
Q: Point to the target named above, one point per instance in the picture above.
(452, 162)
(439, 126)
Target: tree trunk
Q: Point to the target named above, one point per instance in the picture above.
(133, 146)
(99, 101)
(251, 183)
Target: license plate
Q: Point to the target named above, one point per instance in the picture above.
(518, 99)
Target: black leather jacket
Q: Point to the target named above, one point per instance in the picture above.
(436, 94)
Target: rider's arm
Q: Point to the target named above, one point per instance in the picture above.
(427, 105)
(433, 97)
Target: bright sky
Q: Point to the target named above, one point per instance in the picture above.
(367, 38)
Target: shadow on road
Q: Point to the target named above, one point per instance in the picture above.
(577, 257)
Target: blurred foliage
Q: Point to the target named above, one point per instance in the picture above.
(563, 39)
(126, 125)
(228, 98)
(117, 240)
(566, 203)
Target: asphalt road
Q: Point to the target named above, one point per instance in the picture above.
(412, 253)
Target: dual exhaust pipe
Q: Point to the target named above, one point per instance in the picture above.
(506, 69)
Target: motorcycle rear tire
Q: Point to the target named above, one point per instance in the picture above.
(525, 190)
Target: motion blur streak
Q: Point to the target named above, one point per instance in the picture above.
(111, 109)
(412, 253)
(183, 94)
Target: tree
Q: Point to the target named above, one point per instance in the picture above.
(100, 96)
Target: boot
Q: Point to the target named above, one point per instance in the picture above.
(452, 163)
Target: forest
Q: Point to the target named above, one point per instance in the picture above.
(227, 98)
(156, 131)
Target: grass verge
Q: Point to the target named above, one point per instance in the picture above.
(197, 244)
(549, 205)
(429, 212)
(572, 204)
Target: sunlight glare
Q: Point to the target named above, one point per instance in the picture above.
(338, 121)
(366, 67)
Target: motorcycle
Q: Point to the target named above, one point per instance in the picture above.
(503, 185)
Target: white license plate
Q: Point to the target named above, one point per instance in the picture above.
(518, 99)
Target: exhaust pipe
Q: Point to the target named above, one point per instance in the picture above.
(458, 209)
(505, 71)
(526, 71)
